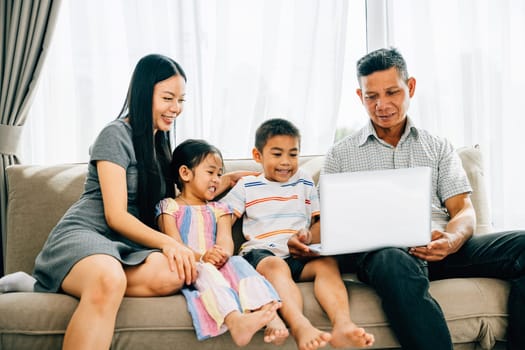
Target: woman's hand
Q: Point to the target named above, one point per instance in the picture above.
(181, 260)
(229, 180)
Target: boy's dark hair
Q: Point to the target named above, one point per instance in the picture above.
(190, 153)
(274, 127)
(379, 60)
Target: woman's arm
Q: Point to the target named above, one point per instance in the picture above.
(113, 185)
(168, 225)
(229, 180)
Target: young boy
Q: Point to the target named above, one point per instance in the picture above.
(280, 203)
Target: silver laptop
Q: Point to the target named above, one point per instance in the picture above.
(369, 210)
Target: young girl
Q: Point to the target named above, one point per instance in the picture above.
(226, 286)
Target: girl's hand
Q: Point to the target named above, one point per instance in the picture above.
(181, 260)
(216, 256)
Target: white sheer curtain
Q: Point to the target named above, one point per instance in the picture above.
(248, 60)
(245, 61)
(467, 57)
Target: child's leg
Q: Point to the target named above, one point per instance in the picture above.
(243, 326)
(277, 271)
(210, 301)
(276, 331)
(331, 293)
(253, 289)
(254, 292)
(221, 303)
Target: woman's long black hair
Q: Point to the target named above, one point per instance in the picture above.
(153, 154)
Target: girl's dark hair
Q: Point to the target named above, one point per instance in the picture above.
(190, 153)
(153, 154)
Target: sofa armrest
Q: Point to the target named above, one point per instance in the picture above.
(472, 160)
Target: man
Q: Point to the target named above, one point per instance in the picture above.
(399, 277)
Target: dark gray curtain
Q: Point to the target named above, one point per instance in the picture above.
(25, 31)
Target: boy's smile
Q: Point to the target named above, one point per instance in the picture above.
(279, 157)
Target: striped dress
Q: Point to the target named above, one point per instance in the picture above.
(236, 286)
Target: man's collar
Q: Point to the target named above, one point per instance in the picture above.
(369, 130)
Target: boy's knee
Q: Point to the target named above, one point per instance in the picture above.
(271, 264)
(325, 264)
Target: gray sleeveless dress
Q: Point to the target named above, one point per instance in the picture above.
(83, 230)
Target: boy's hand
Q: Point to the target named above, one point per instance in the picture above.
(304, 235)
(298, 245)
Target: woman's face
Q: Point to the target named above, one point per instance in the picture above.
(168, 100)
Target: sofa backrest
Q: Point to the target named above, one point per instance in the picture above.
(38, 196)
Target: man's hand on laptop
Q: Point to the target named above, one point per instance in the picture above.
(298, 244)
(440, 247)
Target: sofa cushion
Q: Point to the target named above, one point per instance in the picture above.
(473, 312)
(475, 308)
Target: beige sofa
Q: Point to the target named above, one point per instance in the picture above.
(475, 308)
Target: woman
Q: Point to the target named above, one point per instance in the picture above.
(106, 245)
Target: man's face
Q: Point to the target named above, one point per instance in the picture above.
(386, 97)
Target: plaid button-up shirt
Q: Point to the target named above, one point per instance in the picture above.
(364, 150)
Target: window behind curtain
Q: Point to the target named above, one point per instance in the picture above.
(245, 62)
(299, 63)
(467, 57)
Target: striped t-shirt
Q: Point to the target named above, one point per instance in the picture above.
(273, 211)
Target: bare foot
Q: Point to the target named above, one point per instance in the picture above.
(243, 326)
(350, 335)
(308, 337)
(276, 331)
